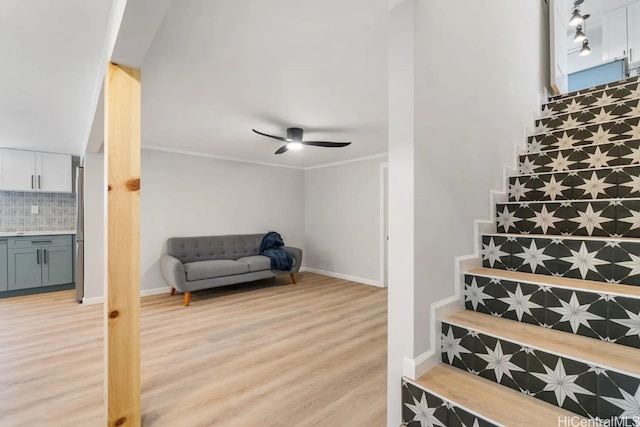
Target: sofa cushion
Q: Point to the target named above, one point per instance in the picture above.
(207, 248)
(257, 262)
(217, 268)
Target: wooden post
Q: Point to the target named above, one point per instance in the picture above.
(122, 304)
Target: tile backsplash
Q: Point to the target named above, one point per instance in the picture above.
(56, 211)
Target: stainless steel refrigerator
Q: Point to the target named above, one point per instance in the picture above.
(79, 233)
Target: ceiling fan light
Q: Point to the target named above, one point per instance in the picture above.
(580, 35)
(576, 18)
(294, 145)
(586, 50)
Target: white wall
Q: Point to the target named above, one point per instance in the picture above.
(94, 259)
(343, 220)
(479, 76)
(183, 195)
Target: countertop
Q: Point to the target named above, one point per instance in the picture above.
(35, 233)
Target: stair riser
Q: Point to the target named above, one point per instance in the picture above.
(611, 261)
(592, 99)
(588, 135)
(610, 218)
(597, 88)
(626, 109)
(547, 307)
(625, 153)
(444, 411)
(529, 371)
(616, 183)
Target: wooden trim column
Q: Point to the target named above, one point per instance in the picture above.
(122, 293)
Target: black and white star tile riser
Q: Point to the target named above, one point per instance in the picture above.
(606, 260)
(618, 182)
(602, 316)
(606, 218)
(592, 156)
(588, 390)
(596, 88)
(421, 408)
(597, 98)
(623, 109)
(628, 128)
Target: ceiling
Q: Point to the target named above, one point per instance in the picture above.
(212, 71)
(217, 69)
(51, 53)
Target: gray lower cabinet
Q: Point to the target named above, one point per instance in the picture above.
(39, 261)
(57, 265)
(24, 269)
(3, 265)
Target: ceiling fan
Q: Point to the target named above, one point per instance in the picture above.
(294, 141)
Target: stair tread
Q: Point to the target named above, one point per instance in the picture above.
(588, 350)
(565, 282)
(489, 399)
(557, 116)
(604, 86)
(564, 237)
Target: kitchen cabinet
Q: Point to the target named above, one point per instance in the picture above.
(3, 265)
(621, 33)
(39, 261)
(18, 170)
(633, 33)
(614, 34)
(34, 171)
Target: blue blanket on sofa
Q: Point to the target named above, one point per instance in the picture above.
(272, 247)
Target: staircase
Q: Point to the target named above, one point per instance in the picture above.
(550, 334)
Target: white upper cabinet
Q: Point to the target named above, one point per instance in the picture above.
(18, 170)
(31, 171)
(614, 34)
(633, 24)
(621, 34)
(53, 172)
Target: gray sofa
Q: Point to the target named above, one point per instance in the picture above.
(194, 263)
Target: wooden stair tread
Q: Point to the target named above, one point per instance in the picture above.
(588, 350)
(489, 399)
(565, 282)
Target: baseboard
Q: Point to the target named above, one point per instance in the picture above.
(415, 368)
(91, 301)
(143, 293)
(155, 291)
(344, 276)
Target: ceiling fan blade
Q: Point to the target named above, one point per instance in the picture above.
(279, 138)
(282, 149)
(326, 144)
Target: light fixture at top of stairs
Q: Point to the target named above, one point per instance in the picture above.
(580, 35)
(576, 17)
(586, 50)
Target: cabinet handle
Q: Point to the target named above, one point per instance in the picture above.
(32, 182)
(38, 256)
(39, 185)
(44, 256)
(36, 242)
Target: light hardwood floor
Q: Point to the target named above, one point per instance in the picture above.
(264, 354)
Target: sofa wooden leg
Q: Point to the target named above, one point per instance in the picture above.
(293, 278)
(172, 291)
(187, 298)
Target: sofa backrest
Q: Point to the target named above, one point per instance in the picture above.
(205, 248)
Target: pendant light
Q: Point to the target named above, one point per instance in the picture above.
(580, 35)
(576, 18)
(586, 50)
